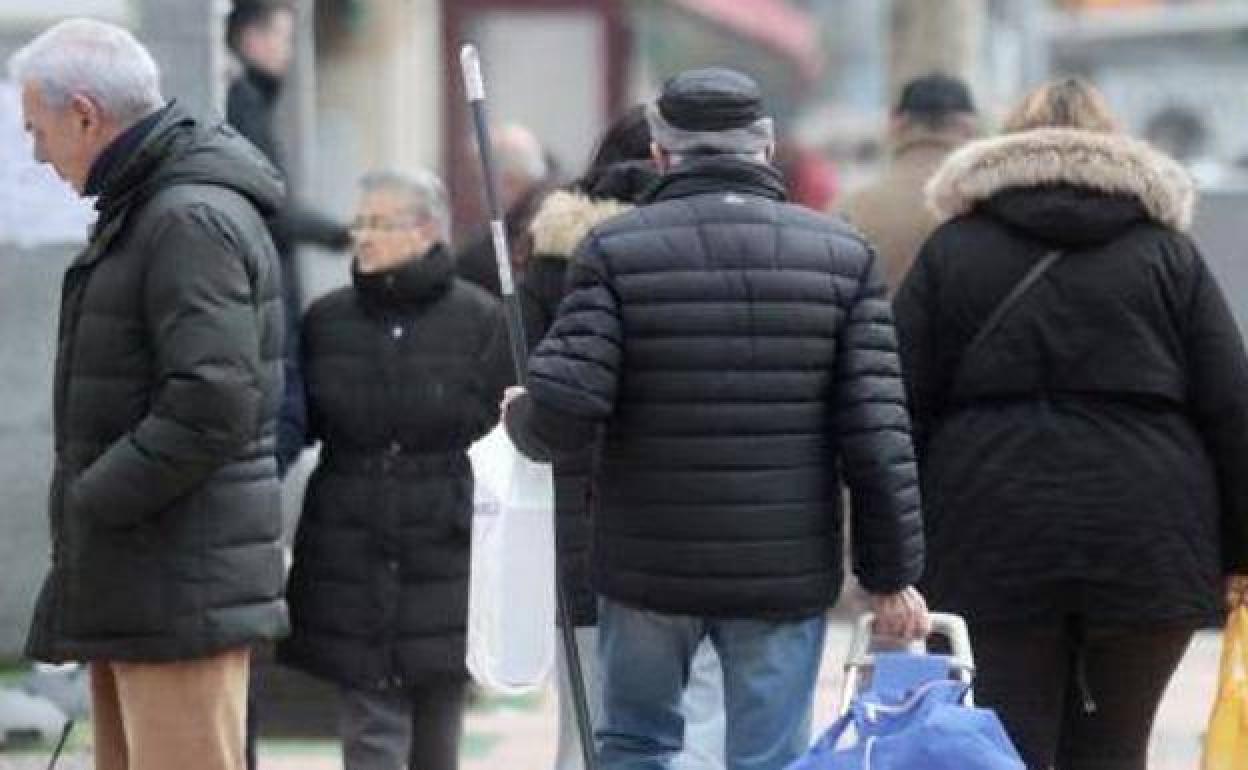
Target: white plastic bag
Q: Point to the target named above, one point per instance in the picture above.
(511, 599)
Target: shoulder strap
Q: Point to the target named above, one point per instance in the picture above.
(999, 312)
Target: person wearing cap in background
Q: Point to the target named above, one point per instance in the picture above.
(736, 352)
(934, 117)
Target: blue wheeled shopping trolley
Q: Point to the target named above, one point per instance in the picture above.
(911, 710)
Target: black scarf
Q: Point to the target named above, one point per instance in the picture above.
(119, 151)
(416, 282)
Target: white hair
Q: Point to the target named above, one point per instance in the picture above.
(423, 190)
(520, 153)
(85, 57)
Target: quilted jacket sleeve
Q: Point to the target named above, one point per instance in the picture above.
(574, 372)
(201, 311)
(877, 454)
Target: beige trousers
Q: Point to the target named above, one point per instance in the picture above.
(184, 715)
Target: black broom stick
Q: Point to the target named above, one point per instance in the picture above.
(474, 92)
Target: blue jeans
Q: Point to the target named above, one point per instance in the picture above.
(702, 706)
(769, 673)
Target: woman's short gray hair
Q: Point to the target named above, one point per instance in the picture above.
(85, 57)
(422, 188)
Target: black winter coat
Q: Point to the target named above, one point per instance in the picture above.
(1089, 456)
(165, 506)
(251, 108)
(562, 220)
(404, 371)
(740, 353)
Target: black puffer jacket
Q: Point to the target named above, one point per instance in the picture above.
(404, 371)
(1089, 456)
(562, 221)
(740, 352)
(165, 505)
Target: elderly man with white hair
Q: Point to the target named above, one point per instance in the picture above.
(165, 506)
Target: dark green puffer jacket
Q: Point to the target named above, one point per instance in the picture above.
(165, 508)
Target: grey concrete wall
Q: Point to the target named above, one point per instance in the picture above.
(29, 286)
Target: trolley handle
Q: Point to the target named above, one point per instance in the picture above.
(952, 627)
(861, 658)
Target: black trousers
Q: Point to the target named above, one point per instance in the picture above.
(252, 734)
(1076, 696)
(412, 729)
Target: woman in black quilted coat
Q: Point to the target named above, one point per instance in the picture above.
(1083, 462)
(404, 369)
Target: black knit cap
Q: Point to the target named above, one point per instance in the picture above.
(935, 94)
(714, 99)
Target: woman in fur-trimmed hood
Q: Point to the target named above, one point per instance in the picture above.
(1082, 462)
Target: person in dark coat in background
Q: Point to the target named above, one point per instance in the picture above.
(165, 507)
(404, 369)
(935, 115)
(736, 352)
(524, 177)
(1083, 463)
(260, 33)
(620, 173)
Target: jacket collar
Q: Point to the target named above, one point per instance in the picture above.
(268, 86)
(913, 139)
(121, 180)
(119, 151)
(1110, 164)
(716, 175)
(130, 163)
(416, 282)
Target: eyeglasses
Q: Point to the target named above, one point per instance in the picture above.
(383, 224)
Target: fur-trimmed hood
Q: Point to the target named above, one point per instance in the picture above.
(565, 218)
(1109, 164)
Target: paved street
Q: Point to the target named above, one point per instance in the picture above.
(523, 738)
(520, 735)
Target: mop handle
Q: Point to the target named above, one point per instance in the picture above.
(474, 90)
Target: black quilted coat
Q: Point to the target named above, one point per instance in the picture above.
(165, 506)
(739, 353)
(404, 370)
(1089, 457)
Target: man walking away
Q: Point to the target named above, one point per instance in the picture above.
(164, 507)
(934, 117)
(737, 352)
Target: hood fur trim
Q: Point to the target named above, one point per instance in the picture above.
(565, 218)
(1111, 163)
